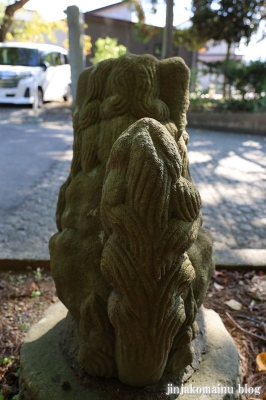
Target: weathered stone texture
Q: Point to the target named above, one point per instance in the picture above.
(130, 260)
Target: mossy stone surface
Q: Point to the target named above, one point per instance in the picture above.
(131, 260)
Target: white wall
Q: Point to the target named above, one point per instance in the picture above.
(119, 11)
(215, 52)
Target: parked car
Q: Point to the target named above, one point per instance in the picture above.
(31, 73)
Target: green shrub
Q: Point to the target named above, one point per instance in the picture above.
(107, 48)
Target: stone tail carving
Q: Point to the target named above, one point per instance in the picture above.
(151, 215)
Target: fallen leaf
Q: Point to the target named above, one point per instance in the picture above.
(254, 398)
(233, 304)
(217, 273)
(261, 361)
(255, 296)
(217, 286)
(253, 289)
(251, 305)
(33, 286)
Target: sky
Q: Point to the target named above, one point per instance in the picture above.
(54, 9)
(58, 6)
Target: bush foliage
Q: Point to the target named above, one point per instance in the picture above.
(107, 48)
(246, 87)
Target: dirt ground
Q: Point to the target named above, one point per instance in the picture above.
(24, 297)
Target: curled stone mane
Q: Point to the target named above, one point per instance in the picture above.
(135, 85)
(130, 259)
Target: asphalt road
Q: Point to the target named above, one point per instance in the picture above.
(28, 150)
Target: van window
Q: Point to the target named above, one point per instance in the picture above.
(57, 58)
(48, 57)
(18, 56)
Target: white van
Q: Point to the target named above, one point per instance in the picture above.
(31, 73)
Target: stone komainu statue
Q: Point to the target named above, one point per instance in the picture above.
(130, 260)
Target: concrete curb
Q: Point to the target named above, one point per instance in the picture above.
(227, 259)
(240, 258)
(22, 264)
(252, 124)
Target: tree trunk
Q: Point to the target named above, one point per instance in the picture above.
(8, 17)
(139, 10)
(226, 58)
(168, 30)
(194, 70)
(228, 51)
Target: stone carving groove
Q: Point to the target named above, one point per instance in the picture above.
(143, 258)
(131, 260)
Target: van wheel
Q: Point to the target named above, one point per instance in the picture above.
(67, 96)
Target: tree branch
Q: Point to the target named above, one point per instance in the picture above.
(263, 338)
(8, 17)
(12, 8)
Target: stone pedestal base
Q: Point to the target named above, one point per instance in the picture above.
(46, 374)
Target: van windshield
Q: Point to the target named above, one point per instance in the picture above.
(18, 56)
